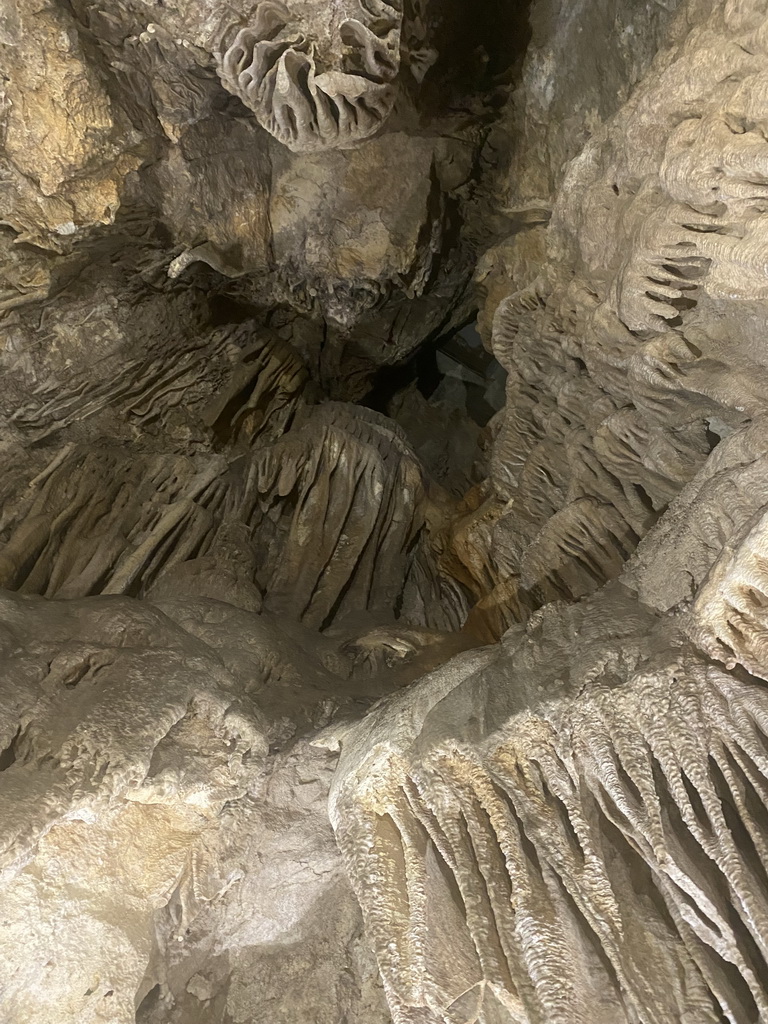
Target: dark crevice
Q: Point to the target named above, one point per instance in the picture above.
(478, 45)
(224, 310)
(9, 754)
(459, 356)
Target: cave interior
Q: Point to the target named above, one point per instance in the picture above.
(383, 575)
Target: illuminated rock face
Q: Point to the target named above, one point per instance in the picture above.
(317, 75)
(166, 851)
(583, 806)
(332, 689)
(595, 824)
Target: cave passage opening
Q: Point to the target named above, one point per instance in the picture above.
(455, 370)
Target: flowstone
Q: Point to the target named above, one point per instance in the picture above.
(330, 689)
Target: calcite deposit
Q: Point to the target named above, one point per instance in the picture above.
(383, 512)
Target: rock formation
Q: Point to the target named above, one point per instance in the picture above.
(383, 539)
(274, 67)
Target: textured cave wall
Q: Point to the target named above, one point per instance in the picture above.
(585, 803)
(235, 597)
(586, 842)
(629, 346)
(118, 122)
(157, 865)
(183, 509)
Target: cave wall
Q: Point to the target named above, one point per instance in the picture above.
(584, 803)
(312, 713)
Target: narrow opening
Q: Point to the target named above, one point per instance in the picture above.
(455, 370)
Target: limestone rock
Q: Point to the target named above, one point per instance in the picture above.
(347, 675)
(316, 77)
(142, 817)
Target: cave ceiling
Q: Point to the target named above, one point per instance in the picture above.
(383, 512)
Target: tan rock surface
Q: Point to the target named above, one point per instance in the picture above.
(357, 664)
